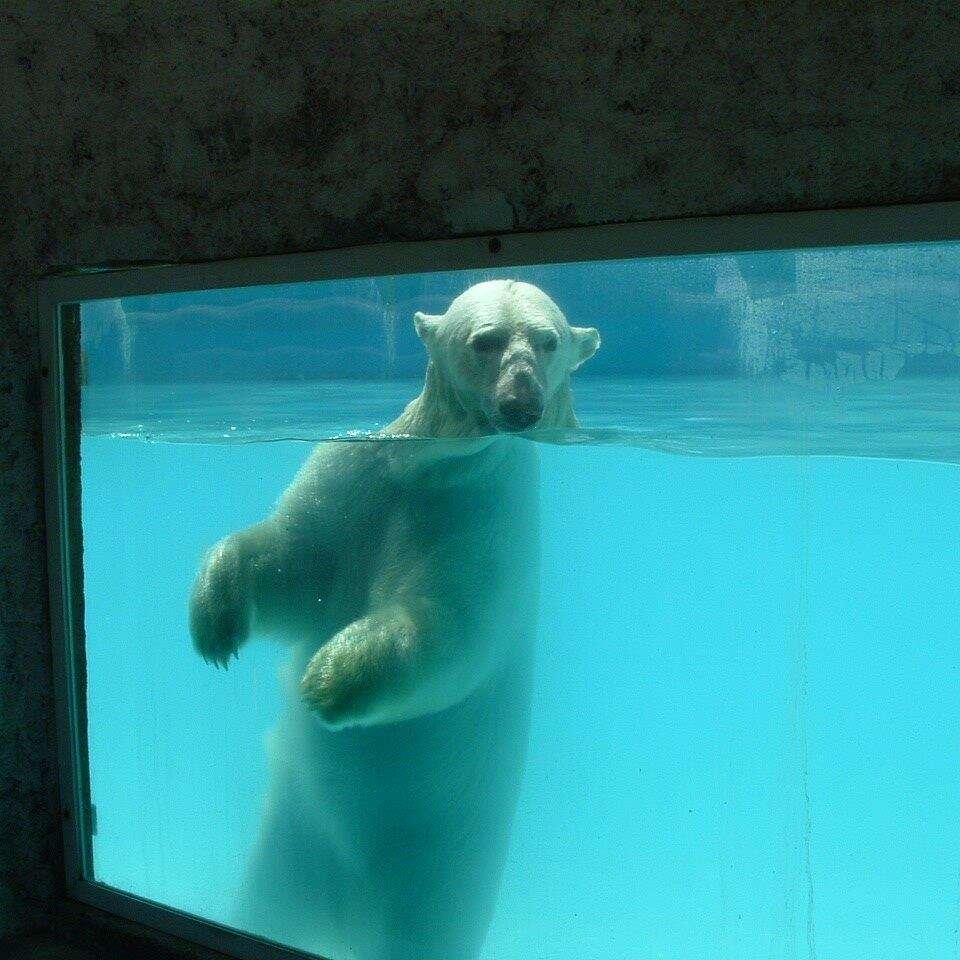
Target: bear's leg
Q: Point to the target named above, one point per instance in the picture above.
(390, 665)
(226, 590)
(437, 913)
(439, 889)
(220, 602)
(297, 891)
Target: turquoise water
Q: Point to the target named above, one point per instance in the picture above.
(744, 732)
(744, 729)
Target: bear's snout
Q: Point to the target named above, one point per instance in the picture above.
(516, 415)
(519, 401)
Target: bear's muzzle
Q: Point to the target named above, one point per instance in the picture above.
(519, 401)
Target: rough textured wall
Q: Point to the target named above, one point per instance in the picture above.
(161, 130)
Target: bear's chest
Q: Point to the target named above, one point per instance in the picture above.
(479, 512)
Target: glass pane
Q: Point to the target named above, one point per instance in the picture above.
(677, 680)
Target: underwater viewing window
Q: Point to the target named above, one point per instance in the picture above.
(589, 593)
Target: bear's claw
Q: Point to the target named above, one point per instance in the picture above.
(219, 610)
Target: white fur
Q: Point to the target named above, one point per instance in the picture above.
(404, 574)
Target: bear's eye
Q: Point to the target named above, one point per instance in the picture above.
(488, 342)
(549, 343)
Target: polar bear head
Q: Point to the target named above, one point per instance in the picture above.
(506, 352)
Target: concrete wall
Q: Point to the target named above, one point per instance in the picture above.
(162, 130)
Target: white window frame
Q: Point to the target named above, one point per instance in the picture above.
(56, 301)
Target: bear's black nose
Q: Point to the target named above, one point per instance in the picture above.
(519, 414)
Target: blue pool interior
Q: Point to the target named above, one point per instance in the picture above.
(745, 722)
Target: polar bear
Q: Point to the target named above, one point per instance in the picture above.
(404, 572)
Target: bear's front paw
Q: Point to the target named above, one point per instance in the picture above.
(340, 684)
(353, 675)
(363, 674)
(219, 608)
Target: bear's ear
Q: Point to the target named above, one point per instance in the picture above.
(426, 326)
(586, 342)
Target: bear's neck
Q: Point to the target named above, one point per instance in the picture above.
(438, 412)
(559, 414)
